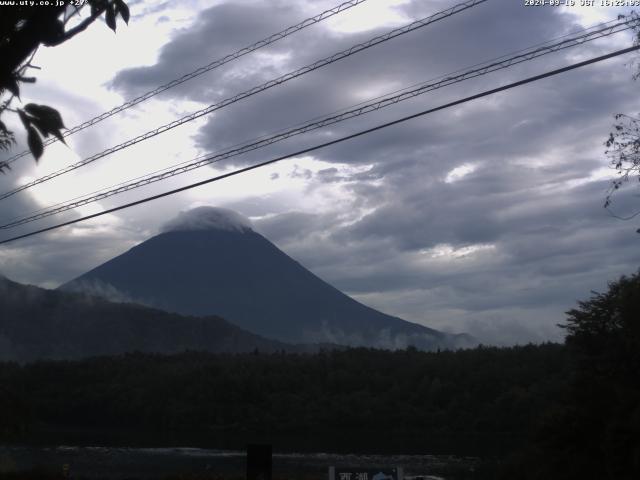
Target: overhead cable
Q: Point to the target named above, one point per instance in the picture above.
(200, 71)
(332, 142)
(253, 91)
(362, 109)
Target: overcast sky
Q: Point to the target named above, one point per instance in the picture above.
(486, 218)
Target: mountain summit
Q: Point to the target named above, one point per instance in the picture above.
(208, 218)
(209, 261)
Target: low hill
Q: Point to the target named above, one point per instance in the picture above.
(46, 324)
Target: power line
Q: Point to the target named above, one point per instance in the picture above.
(332, 142)
(253, 91)
(362, 109)
(200, 71)
(618, 217)
(504, 62)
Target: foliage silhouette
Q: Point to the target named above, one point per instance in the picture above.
(593, 431)
(484, 400)
(623, 145)
(23, 29)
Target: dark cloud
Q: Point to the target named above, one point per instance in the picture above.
(216, 32)
(462, 40)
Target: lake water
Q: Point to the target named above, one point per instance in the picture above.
(159, 463)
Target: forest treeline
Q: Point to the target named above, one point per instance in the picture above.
(476, 401)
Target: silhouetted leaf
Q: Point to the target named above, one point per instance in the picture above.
(6, 140)
(111, 17)
(35, 142)
(58, 135)
(50, 115)
(46, 119)
(123, 9)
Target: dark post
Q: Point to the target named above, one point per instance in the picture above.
(259, 462)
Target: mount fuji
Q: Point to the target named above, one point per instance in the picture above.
(210, 261)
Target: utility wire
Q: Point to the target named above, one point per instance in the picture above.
(200, 71)
(618, 217)
(332, 142)
(260, 88)
(183, 167)
(362, 109)
(242, 143)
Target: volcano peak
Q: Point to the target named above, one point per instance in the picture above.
(208, 218)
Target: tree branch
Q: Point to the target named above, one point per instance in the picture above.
(81, 27)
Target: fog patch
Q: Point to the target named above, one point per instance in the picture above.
(387, 339)
(104, 290)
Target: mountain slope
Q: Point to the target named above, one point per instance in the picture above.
(36, 323)
(204, 267)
